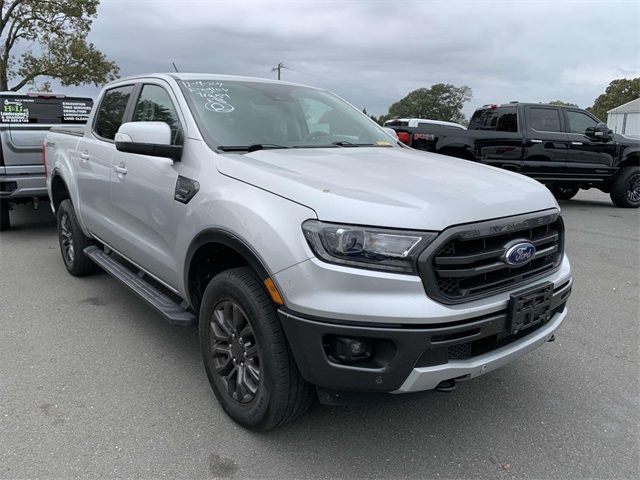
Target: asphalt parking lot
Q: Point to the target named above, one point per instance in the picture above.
(94, 384)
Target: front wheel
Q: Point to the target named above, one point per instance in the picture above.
(625, 191)
(564, 193)
(246, 355)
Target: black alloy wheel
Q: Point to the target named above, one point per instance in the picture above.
(236, 356)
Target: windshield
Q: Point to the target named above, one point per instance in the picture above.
(242, 114)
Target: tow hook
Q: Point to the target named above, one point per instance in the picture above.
(552, 338)
(446, 386)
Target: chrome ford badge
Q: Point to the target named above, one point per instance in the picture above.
(519, 253)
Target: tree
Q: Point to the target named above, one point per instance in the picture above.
(618, 92)
(560, 103)
(52, 38)
(440, 102)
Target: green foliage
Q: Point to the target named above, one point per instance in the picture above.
(54, 36)
(560, 103)
(618, 92)
(440, 102)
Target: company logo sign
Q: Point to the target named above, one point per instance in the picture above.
(519, 253)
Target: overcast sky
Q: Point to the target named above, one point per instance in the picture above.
(373, 52)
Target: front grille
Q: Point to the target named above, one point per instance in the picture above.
(465, 263)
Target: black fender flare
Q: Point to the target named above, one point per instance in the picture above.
(228, 239)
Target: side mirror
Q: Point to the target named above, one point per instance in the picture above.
(147, 138)
(599, 132)
(391, 132)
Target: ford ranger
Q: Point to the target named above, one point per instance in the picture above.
(317, 255)
(25, 119)
(565, 148)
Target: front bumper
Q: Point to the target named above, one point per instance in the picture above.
(412, 358)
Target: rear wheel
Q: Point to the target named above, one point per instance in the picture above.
(73, 242)
(5, 220)
(246, 355)
(564, 193)
(625, 190)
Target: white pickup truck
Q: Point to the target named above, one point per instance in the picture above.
(318, 255)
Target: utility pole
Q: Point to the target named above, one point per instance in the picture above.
(278, 69)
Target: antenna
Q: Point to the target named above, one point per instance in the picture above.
(174, 66)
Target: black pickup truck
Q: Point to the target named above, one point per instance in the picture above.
(565, 148)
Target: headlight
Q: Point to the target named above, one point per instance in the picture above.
(366, 247)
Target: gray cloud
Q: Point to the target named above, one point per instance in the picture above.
(374, 52)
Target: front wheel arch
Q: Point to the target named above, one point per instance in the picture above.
(208, 244)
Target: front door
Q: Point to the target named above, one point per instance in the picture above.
(546, 143)
(145, 215)
(589, 158)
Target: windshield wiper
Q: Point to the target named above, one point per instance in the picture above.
(345, 143)
(250, 148)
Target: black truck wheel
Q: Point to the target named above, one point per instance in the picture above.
(5, 220)
(564, 193)
(625, 190)
(73, 242)
(246, 355)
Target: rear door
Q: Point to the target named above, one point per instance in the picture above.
(546, 143)
(29, 117)
(93, 161)
(503, 147)
(588, 158)
(144, 213)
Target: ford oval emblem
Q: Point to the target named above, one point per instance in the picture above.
(519, 253)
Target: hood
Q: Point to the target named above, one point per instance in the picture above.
(390, 187)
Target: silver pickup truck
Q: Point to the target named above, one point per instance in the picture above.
(316, 253)
(25, 120)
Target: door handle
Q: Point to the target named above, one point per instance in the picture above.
(536, 141)
(576, 143)
(119, 169)
(84, 156)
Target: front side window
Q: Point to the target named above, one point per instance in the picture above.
(579, 122)
(239, 113)
(544, 119)
(155, 105)
(111, 111)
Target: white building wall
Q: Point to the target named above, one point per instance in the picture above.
(617, 123)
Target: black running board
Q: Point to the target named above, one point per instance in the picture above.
(172, 312)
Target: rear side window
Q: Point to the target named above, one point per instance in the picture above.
(579, 122)
(544, 119)
(155, 105)
(497, 120)
(111, 111)
(26, 109)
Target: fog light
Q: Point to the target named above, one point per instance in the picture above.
(347, 350)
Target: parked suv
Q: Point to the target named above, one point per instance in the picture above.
(315, 253)
(24, 122)
(565, 148)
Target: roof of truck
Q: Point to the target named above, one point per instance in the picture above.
(210, 76)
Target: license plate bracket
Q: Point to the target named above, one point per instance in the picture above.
(529, 307)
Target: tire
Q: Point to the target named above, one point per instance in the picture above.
(625, 190)
(5, 219)
(72, 242)
(564, 193)
(277, 393)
